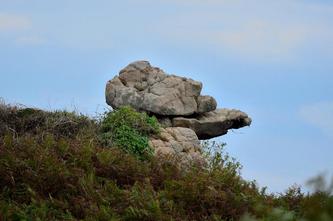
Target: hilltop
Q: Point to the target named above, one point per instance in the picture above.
(62, 166)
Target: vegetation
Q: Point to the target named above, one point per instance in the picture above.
(129, 130)
(65, 166)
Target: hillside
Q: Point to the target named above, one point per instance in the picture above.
(65, 166)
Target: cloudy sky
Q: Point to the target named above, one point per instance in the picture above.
(271, 59)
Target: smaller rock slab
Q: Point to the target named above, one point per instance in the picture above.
(215, 123)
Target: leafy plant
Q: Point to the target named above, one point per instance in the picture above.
(129, 130)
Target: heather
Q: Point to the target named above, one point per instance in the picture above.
(63, 165)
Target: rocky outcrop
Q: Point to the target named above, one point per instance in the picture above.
(185, 114)
(214, 123)
(179, 141)
(150, 89)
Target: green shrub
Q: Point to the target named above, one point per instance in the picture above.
(129, 130)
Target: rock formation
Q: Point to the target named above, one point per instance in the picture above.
(214, 123)
(178, 104)
(150, 89)
(180, 141)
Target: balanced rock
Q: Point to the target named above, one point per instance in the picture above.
(186, 115)
(214, 123)
(175, 101)
(150, 89)
(179, 141)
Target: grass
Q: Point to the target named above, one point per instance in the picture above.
(56, 166)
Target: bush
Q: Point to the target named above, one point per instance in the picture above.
(129, 130)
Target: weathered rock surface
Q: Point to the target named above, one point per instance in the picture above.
(150, 89)
(179, 141)
(206, 104)
(214, 123)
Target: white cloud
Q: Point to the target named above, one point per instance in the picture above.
(18, 29)
(10, 22)
(255, 30)
(319, 115)
(30, 40)
(262, 38)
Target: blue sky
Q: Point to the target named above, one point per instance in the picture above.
(271, 59)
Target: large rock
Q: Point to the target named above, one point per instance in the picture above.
(214, 123)
(178, 141)
(150, 89)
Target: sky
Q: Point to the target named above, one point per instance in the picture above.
(270, 59)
